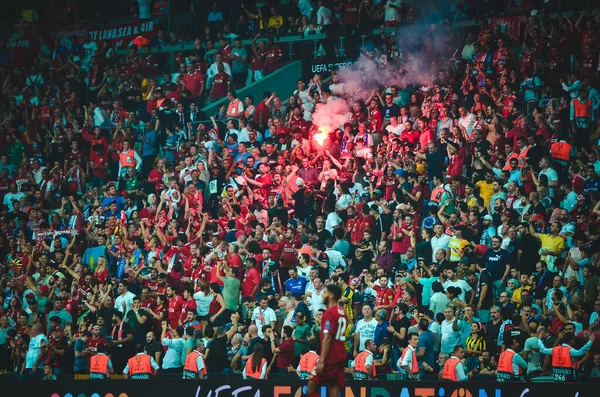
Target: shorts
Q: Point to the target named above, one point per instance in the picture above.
(333, 375)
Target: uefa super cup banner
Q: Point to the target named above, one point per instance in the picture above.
(231, 387)
(116, 36)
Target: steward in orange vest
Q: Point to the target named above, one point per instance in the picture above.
(307, 365)
(408, 363)
(140, 366)
(364, 364)
(235, 109)
(561, 150)
(509, 357)
(194, 367)
(256, 366)
(100, 364)
(564, 367)
(453, 369)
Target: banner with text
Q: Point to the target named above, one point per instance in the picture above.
(323, 65)
(222, 386)
(117, 36)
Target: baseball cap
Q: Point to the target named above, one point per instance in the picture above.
(538, 217)
(488, 218)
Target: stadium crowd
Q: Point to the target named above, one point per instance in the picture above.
(462, 228)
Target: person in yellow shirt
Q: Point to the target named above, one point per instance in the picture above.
(275, 20)
(517, 294)
(457, 244)
(552, 244)
(486, 187)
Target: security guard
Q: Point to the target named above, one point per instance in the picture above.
(454, 371)
(408, 364)
(140, 366)
(308, 362)
(511, 365)
(100, 365)
(364, 364)
(564, 368)
(194, 367)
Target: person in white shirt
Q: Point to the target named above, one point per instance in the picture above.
(213, 70)
(365, 329)
(335, 257)
(394, 128)
(453, 281)
(438, 300)
(263, 315)
(34, 356)
(439, 241)
(315, 299)
(90, 48)
(466, 122)
(409, 358)
(125, 299)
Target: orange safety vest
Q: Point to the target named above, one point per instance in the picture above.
(563, 366)
(437, 194)
(561, 357)
(415, 363)
(449, 371)
(513, 155)
(561, 151)
(248, 111)
(140, 367)
(505, 366)
(99, 367)
(127, 159)
(190, 369)
(582, 113)
(233, 109)
(250, 373)
(360, 366)
(308, 362)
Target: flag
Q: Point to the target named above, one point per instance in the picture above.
(91, 255)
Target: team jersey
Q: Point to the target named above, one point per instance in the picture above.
(334, 322)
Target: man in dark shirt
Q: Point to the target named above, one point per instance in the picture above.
(153, 348)
(399, 329)
(484, 294)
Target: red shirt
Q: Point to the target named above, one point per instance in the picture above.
(187, 305)
(175, 305)
(273, 55)
(334, 323)
(193, 82)
(261, 109)
(251, 279)
(350, 12)
(220, 85)
(289, 257)
(99, 161)
(94, 342)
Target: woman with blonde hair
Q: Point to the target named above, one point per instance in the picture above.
(101, 271)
